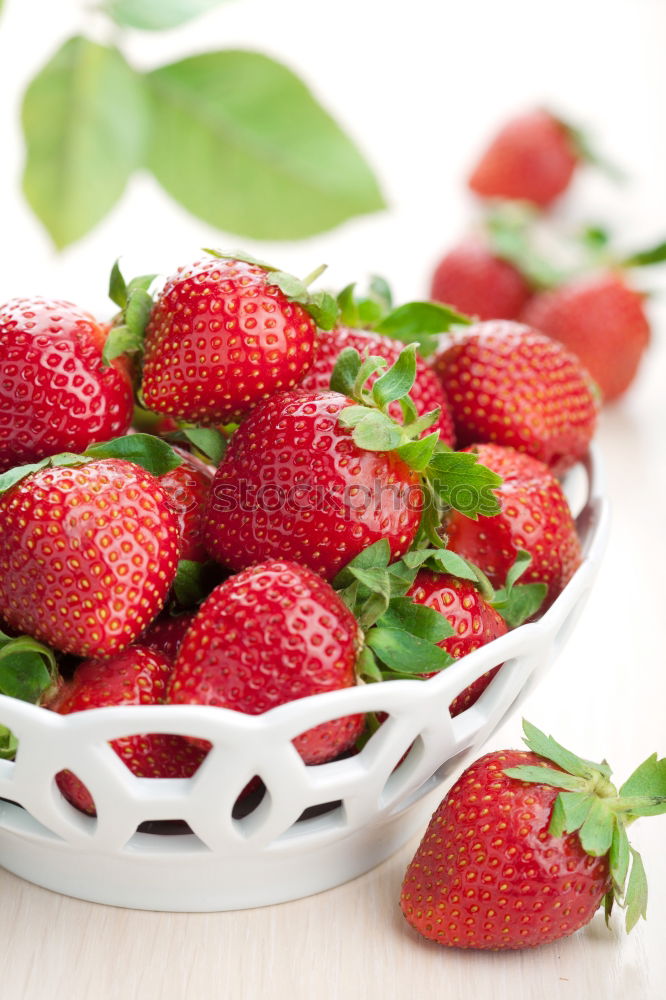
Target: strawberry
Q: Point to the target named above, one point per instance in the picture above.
(601, 319)
(426, 393)
(186, 488)
(87, 552)
(221, 337)
(166, 634)
(527, 845)
(508, 384)
(532, 158)
(477, 281)
(535, 517)
(135, 676)
(271, 634)
(474, 622)
(55, 392)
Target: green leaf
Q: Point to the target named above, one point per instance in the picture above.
(420, 321)
(290, 286)
(522, 603)
(8, 744)
(398, 380)
(381, 291)
(27, 668)
(151, 453)
(509, 232)
(85, 121)
(241, 143)
(596, 833)
(636, 896)
(352, 416)
(347, 367)
(546, 746)
(619, 856)
(137, 311)
(544, 776)
(377, 432)
(242, 255)
(120, 340)
(191, 582)
(465, 485)
(117, 286)
(324, 310)
(644, 258)
(442, 561)
(418, 454)
(417, 619)
(209, 441)
(376, 555)
(407, 653)
(375, 579)
(347, 306)
(19, 472)
(156, 15)
(575, 809)
(587, 151)
(367, 667)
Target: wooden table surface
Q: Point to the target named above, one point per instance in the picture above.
(606, 695)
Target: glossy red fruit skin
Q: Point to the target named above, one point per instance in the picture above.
(601, 320)
(220, 339)
(294, 485)
(474, 620)
(87, 555)
(136, 676)
(535, 516)
(274, 633)
(531, 158)
(166, 634)
(55, 393)
(508, 384)
(487, 873)
(186, 488)
(426, 393)
(471, 279)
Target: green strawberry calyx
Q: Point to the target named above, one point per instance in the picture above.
(401, 637)
(590, 805)
(419, 322)
(135, 303)
(321, 305)
(29, 672)
(151, 453)
(449, 479)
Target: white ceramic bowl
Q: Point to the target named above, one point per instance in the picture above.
(359, 810)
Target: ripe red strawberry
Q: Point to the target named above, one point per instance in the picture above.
(55, 393)
(508, 384)
(532, 158)
(477, 282)
(136, 676)
(517, 854)
(294, 485)
(87, 555)
(474, 621)
(426, 393)
(166, 634)
(221, 337)
(535, 517)
(271, 634)
(186, 488)
(601, 319)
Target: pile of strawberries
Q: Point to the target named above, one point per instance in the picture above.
(241, 492)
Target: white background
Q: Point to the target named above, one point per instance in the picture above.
(419, 86)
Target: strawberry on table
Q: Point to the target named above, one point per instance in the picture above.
(601, 319)
(226, 333)
(271, 634)
(535, 517)
(527, 845)
(532, 158)
(88, 548)
(136, 676)
(509, 384)
(56, 393)
(426, 393)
